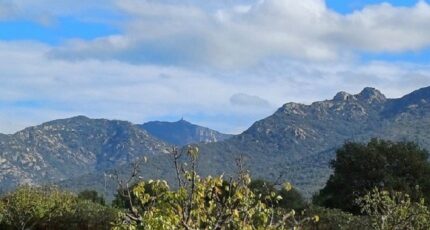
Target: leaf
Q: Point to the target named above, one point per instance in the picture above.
(287, 186)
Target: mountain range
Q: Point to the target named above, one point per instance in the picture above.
(296, 143)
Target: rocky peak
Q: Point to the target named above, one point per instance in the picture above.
(343, 96)
(370, 94)
(291, 105)
(292, 108)
(183, 122)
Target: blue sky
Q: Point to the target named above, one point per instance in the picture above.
(72, 27)
(60, 31)
(218, 63)
(346, 7)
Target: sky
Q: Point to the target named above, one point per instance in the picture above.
(223, 64)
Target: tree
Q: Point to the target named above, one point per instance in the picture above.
(358, 168)
(206, 203)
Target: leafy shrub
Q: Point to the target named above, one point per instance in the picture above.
(394, 211)
(206, 203)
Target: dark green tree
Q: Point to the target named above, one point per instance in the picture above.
(359, 168)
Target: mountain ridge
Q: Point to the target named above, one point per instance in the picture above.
(65, 148)
(183, 132)
(297, 141)
(294, 139)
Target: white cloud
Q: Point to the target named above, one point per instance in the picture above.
(245, 34)
(36, 88)
(108, 89)
(209, 61)
(245, 100)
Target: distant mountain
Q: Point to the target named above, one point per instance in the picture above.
(183, 132)
(299, 140)
(68, 148)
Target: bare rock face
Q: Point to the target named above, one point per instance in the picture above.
(371, 95)
(343, 96)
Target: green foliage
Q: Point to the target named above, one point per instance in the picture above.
(291, 198)
(27, 206)
(335, 219)
(88, 215)
(240, 203)
(394, 211)
(91, 195)
(207, 203)
(2, 213)
(121, 201)
(358, 168)
(214, 204)
(49, 208)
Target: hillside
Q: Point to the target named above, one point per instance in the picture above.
(299, 140)
(67, 148)
(182, 132)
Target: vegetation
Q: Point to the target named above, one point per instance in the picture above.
(291, 198)
(50, 208)
(392, 182)
(93, 196)
(394, 210)
(359, 168)
(206, 203)
(335, 219)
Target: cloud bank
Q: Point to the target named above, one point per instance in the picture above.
(244, 35)
(217, 63)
